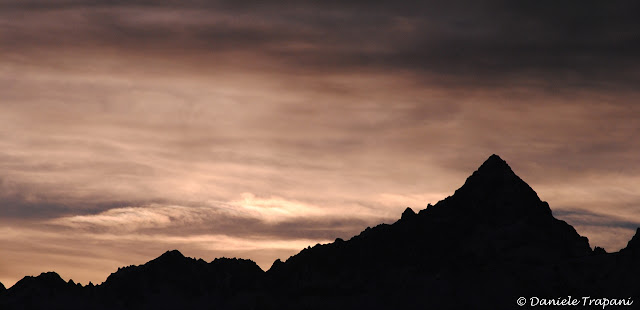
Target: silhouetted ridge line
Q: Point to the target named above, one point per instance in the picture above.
(488, 244)
(171, 255)
(48, 278)
(634, 244)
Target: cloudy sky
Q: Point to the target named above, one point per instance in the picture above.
(256, 128)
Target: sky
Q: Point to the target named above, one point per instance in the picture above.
(254, 129)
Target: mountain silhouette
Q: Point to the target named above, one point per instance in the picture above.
(633, 247)
(37, 292)
(490, 243)
(174, 281)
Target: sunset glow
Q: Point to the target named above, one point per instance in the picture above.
(218, 129)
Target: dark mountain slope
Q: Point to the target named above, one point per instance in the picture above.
(620, 272)
(170, 281)
(493, 229)
(175, 281)
(46, 291)
(633, 247)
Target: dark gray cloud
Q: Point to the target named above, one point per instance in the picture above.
(568, 44)
(584, 217)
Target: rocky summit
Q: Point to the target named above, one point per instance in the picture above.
(490, 243)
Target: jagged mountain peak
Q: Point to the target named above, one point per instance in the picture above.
(172, 254)
(50, 276)
(493, 176)
(494, 190)
(495, 164)
(408, 213)
(169, 257)
(48, 280)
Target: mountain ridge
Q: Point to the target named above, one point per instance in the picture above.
(494, 239)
